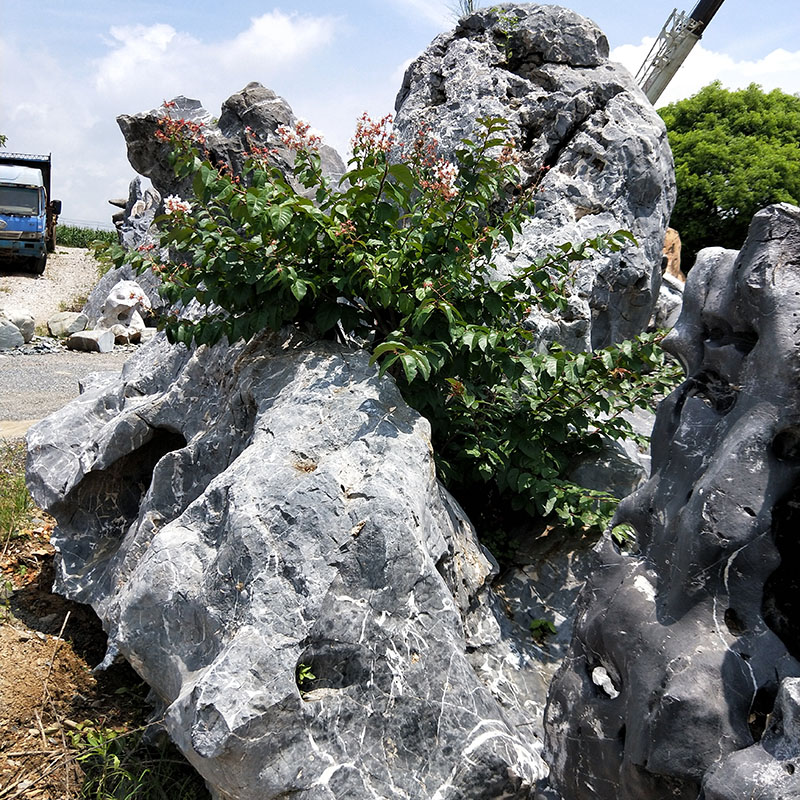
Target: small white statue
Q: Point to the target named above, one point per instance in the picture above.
(122, 312)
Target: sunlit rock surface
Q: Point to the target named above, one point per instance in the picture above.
(237, 514)
(590, 141)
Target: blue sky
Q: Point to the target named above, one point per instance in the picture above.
(68, 68)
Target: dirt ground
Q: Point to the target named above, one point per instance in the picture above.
(68, 279)
(48, 693)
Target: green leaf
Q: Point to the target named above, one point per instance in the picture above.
(280, 217)
(299, 289)
(409, 364)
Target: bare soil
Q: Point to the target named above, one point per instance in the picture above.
(48, 646)
(49, 696)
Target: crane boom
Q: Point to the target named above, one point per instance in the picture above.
(676, 40)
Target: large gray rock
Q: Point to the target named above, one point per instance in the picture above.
(65, 323)
(97, 340)
(236, 514)
(589, 137)
(682, 645)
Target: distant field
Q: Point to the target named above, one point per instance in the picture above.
(73, 236)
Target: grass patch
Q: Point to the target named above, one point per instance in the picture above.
(121, 765)
(16, 505)
(73, 236)
(74, 304)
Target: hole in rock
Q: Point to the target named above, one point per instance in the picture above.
(734, 622)
(621, 736)
(719, 333)
(438, 93)
(529, 137)
(109, 499)
(713, 390)
(761, 708)
(335, 665)
(786, 445)
(749, 511)
(789, 767)
(780, 605)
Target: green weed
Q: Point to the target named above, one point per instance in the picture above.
(121, 765)
(16, 505)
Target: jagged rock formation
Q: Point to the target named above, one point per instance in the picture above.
(226, 140)
(589, 137)
(681, 647)
(237, 514)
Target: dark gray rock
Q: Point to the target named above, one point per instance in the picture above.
(668, 305)
(235, 514)
(226, 141)
(682, 645)
(590, 139)
(135, 229)
(136, 225)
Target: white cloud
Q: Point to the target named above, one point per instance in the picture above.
(74, 114)
(157, 58)
(436, 12)
(779, 69)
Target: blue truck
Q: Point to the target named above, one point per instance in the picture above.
(28, 216)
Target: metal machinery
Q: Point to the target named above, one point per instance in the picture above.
(676, 40)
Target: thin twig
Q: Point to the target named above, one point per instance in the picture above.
(41, 727)
(64, 746)
(55, 650)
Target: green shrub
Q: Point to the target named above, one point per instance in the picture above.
(398, 257)
(16, 505)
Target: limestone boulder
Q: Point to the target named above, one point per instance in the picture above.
(10, 335)
(97, 340)
(122, 312)
(681, 679)
(21, 318)
(65, 323)
(242, 518)
(590, 140)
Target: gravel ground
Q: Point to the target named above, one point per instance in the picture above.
(69, 277)
(33, 385)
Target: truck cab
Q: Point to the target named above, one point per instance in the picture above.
(27, 216)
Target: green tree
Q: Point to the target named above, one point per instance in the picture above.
(735, 153)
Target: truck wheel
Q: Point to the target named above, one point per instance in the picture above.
(39, 264)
